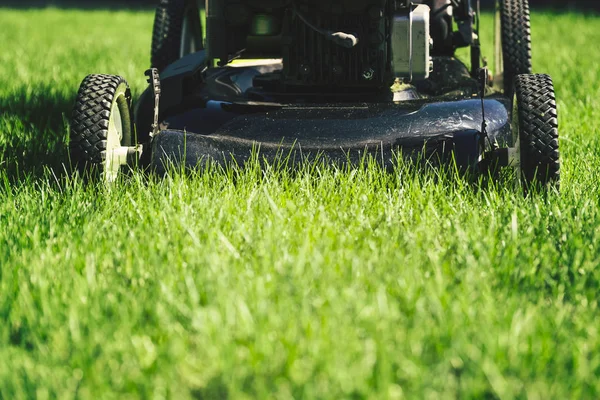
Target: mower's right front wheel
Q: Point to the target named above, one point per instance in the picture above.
(513, 43)
(535, 122)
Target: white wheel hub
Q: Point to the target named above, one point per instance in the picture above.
(116, 154)
(514, 153)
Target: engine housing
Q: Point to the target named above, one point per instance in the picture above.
(388, 39)
(310, 58)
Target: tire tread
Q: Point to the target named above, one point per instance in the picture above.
(538, 123)
(167, 31)
(516, 39)
(90, 118)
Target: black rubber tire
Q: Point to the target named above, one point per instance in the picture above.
(90, 120)
(537, 122)
(167, 34)
(516, 40)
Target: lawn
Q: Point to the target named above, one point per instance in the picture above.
(322, 284)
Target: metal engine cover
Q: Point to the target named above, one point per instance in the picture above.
(310, 59)
(274, 29)
(411, 44)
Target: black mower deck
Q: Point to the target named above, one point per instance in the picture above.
(227, 120)
(231, 132)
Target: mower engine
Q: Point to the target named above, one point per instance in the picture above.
(345, 43)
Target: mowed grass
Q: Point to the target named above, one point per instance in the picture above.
(263, 284)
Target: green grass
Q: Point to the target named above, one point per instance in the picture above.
(323, 284)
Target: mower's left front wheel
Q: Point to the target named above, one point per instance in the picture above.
(101, 141)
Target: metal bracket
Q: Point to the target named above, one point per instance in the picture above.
(464, 18)
(483, 81)
(154, 81)
(500, 158)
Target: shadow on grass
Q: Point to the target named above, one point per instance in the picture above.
(34, 131)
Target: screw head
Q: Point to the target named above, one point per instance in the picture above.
(368, 74)
(305, 69)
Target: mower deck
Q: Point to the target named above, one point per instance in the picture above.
(225, 132)
(226, 120)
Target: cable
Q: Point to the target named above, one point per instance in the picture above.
(342, 39)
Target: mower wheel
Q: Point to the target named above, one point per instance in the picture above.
(513, 42)
(535, 118)
(101, 126)
(177, 32)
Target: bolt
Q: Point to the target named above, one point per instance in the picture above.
(305, 69)
(368, 74)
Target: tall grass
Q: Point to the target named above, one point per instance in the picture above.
(258, 283)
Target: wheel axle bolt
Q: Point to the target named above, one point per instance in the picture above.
(305, 69)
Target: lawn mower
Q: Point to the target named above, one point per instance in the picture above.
(336, 79)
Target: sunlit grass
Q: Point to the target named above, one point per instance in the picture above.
(322, 283)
